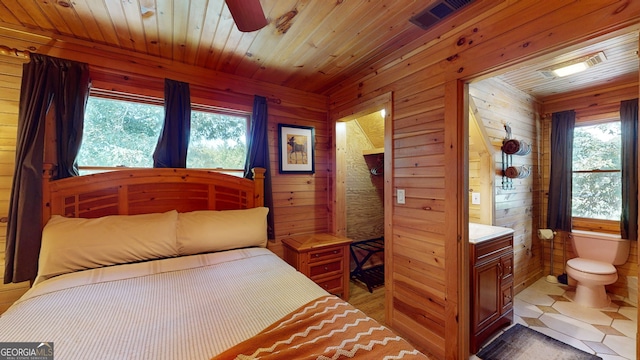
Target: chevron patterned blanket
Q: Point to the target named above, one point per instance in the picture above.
(326, 328)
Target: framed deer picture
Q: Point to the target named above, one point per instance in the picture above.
(296, 144)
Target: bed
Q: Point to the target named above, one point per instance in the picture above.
(173, 264)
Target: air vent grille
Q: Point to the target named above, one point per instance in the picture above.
(440, 10)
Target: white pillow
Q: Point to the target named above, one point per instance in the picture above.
(72, 244)
(209, 231)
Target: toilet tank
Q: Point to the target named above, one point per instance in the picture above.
(603, 247)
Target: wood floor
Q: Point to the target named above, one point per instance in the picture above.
(371, 304)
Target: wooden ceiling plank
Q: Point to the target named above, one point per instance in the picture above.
(230, 49)
(93, 30)
(71, 19)
(373, 33)
(621, 62)
(197, 13)
(30, 14)
(338, 29)
(180, 29)
(504, 50)
(231, 64)
(266, 42)
(379, 29)
(6, 15)
(343, 33)
(219, 43)
(164, 19)
(212, 17)
(50, 9)
(119, 23)
(132, 13)
(296, 40)
(149, 15)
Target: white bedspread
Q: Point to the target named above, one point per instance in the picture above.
(180, 308)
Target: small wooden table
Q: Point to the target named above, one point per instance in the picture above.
(323, 258)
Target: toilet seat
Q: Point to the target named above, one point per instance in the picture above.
(592, 266)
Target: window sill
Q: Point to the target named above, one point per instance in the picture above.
(597, 225)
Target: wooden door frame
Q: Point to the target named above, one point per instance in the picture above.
(337, 192)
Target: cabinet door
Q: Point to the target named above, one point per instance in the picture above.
(487, 294)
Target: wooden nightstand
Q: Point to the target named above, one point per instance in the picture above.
(323, 258)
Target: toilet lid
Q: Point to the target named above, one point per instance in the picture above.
(592, 266)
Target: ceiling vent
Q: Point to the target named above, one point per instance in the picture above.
(438, 11)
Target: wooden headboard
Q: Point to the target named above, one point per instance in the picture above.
(141, 191)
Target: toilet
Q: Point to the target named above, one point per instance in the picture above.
(594, 267)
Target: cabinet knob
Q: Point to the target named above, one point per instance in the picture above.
(335, 251)
(316, 255)
(326, 268)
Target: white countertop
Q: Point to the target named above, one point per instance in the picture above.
(480, 232)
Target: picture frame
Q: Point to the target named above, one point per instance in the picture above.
(296, 149)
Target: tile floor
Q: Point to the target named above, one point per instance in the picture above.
(609, 333)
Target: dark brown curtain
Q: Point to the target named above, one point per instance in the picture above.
(46, 82)
(74, 85)
(258, 153)
(559, 204)
(171, 151)
(629, 157)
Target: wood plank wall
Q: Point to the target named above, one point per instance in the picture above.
(10, 78)
(481, 171)
(300, 201)
(365, 192)
(590, 105)
(498, 103)
(428, 300)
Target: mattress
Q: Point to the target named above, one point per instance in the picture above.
(177, 308)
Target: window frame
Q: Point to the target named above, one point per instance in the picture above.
(229, 112)
(593, 224)
(153, 100)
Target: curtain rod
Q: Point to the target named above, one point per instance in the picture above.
(5, 50)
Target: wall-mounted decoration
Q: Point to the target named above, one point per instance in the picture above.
(296, 144)
(509, 148)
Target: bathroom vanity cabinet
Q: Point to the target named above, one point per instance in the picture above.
(491, 287)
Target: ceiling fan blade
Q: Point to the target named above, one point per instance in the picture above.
(247, 14)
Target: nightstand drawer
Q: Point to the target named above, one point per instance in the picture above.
(325, 254)
(332, 285)
(325, 268)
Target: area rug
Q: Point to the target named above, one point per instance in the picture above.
(520, 342)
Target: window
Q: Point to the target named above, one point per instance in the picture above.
(120, 133)
(596, 180)
(217, 140)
